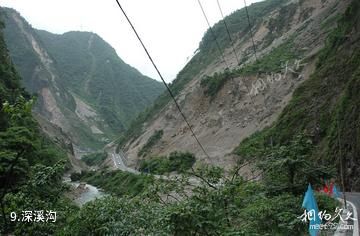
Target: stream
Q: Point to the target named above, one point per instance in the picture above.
(84, 193)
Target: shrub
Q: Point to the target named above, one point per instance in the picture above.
(94, 159)
(176, 161)
(118, 182)
(213, 84)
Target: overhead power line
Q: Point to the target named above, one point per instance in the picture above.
(213, 34)
(161, 77)
(251, 34)
(228, 32)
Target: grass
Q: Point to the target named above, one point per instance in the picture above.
(118, 182)
(213, 84)
(176, 161)
(94, 159)
(274, 62)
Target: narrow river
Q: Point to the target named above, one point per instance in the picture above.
(86, 193)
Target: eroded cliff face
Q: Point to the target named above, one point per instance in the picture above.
(44, 80)
(246, 103)
(67, 72)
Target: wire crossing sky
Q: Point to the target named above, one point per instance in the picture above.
(172, 30)
(213, 34)
(161, 77)
(227, 31)
(250, 30)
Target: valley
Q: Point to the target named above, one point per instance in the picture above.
(266, 117)
(82, 86)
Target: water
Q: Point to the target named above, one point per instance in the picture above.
(89, 194)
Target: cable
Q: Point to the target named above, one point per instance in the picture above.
(228, 32)
(213, 34)
(252, 38)
(161, 77)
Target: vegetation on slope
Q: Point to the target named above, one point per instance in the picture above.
(176, 161)
(233, 207)
(94, 159)
(272, 62)
(325, 107)
(214, 83)
(31, 167)
(84, 66)
(206, 54)
(117, 182)
(91, 68)
(284, 154)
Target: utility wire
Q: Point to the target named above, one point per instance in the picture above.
(232, 43)
(228, 32)
(252, 37)
(161, 77)
(213, 34)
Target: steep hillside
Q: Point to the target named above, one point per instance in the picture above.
(326, 107)
(31, 166)
(226, 106)
(82, 85)
(92, 69)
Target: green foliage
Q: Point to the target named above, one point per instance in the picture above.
(181, 161)
(287, 153)
(297, 168)
(327, 203)
(91, 69)
(272, 216)
(338, 36)
(43, 190)
(117, 216)
(85, 66)
(274, 60)
(76, 176)
(30, 174)
(155, 165)
(154, 139)
(10, 77)
(205, 55)
(31, 166)
(176, 161)
(94, 159)
(281, 23)
(235, 207)
(214, 83)
(323, 108)
(238, 27)
(118, 182)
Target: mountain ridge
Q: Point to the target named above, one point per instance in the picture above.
(82, 85)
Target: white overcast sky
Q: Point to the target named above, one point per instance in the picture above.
(171, 29)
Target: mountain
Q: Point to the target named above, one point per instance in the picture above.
(226, 106)
(82, 85)
(291, 112)
(31, 166)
